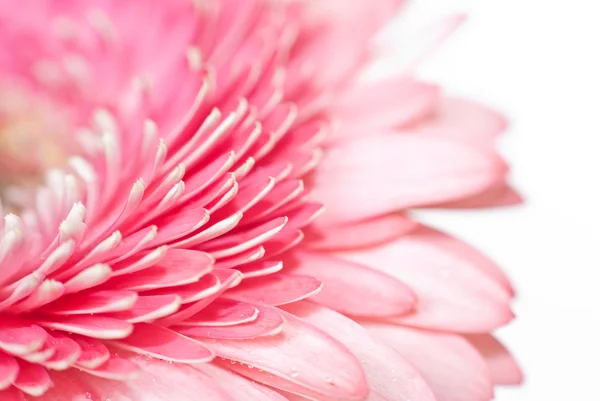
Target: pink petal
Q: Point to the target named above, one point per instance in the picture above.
(93, 352)
(454, 290)
(392, 102)
(276, 289)
(12, 394)
(94, 302)
(207, 285)
(390, 377)
(269, 322)
(504, 369)
(463, 120)
(9, 368)
(260, 268)
(155, 380)
(66, 353)
(91, 326)
(178, 267)
(387, 172)
(301, 359)
(162, 343)
(19, 337)
(238, 387)
(373, 293)
(450, 365)
(500, 195)
(149, 308)
(32, 379)
(358, 234)
(114, 368)
(223, 312)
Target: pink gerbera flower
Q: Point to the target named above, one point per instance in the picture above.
(174, 251)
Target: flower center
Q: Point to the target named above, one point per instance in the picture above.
(32, 141)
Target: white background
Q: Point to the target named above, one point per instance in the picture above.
(539, 62)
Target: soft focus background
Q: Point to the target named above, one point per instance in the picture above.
(538, 62)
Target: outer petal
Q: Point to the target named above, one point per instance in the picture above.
(464, 120)
(452, 367)
(385, 104)
(384, 173)
(301, 359)
(454, 290)
(391, 378)
(353, 288)
(504, 368)
(238, 387)
(357, 234)
(157, 381)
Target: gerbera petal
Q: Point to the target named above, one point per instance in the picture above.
(355, 179)
(9, 368)
(454, 290)
(301, 359)
(276, 289)
(452, 367)
(373, 293)
(390, 377)
(503, 367)
(154, 382)
(163, 343)
(238, 387)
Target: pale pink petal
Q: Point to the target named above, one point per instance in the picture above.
(454, 290)
(155, 381)
(276, 289)
(451, 366)
(356, 179)
(504, 368)
(301, 359)
(370, 292)
(268, 322)
(393, 102)
(358, 234)
(390, 377)
(464, 120)
(501, 195)
(238, 387)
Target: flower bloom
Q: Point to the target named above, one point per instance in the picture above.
(164, 171)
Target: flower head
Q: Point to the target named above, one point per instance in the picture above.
(177, 246)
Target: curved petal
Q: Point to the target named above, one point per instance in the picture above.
(453, 289)
(450, 365)
(505, 370)
(353, 288)
(366, 177)
(390, 377)
(301, 359)
(156, 381)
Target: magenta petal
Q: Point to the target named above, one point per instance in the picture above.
(166, 344)
(91, 326)
(12, 394)
(301, 359)
(9, 368)
(17, 337)
(276, 289)
(93, 352)
(32, 379)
